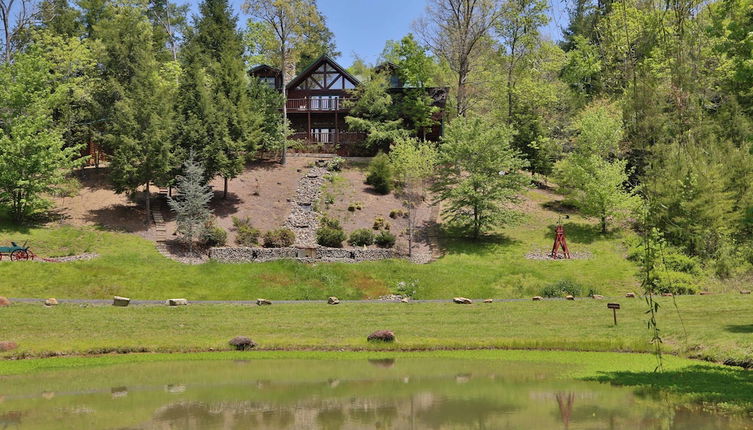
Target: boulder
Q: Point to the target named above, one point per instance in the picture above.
(242, 343)
(263, 302)
(381, 336)
(333, 301)
(630, 295)
(120, 301)
(4, 301)
(404, 300)
(177, 302)
(462, 301)
(597, 296)
(537, 298)
(744, 291)
(569, 297)
(51, 302)
(489, 301)
(7, 346)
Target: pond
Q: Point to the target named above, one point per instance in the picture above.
(385, 393)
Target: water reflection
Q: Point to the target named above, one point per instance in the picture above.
(335, 395)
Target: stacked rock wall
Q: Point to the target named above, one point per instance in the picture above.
(307, 255)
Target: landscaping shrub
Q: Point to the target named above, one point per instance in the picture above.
(385, 239)
(330, 222)
(279, 238)
(330, 237)
(336, 164)
(213, 235)
(398, 213)
(361, 237)
(246, 234)
(380, 174)
(561, 288)
(676, 282)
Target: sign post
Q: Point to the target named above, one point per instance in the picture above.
(614, 307)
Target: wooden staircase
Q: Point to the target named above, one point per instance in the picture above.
(159, 222)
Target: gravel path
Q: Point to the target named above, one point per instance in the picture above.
(303, 220)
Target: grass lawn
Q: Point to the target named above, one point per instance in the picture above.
(497, 267)
(719, 328)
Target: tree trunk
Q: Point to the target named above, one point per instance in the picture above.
(148, 203)
(283, 63)
(604, 224)
(411, 213)
(224, 191)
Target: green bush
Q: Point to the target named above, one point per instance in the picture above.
(670, 281)
(246, 234)
(561, 288)
(330, 237)
(361, 237)
(330, 222)
(380, 174)
(336, 164)
(279, 238)
(385, 239)
(213, 235)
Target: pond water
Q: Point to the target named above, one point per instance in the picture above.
(403, 393)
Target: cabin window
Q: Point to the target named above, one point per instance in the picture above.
(269, 81)
(323, 135)
(324, 102)
(325, 77)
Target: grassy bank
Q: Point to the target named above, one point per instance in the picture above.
(496, 267)
(718, 327)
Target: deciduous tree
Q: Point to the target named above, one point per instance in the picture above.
(479, 175)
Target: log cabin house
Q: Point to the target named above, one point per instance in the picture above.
(315, 108)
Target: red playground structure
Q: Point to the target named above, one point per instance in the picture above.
(560, 242)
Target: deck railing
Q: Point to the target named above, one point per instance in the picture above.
(315, 105)
(342, 137)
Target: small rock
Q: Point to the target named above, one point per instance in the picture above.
(489, 301)
(381, 336)
(4, 301)
(537, 298)
(569, 297)
(242, 343)
(744, 292)
(333, 301)
(120, 301)
(597, 297)
(666, 294)
(263, 302)
(462, 301)
(630, 295)
(7, 346)
(177, 302)
(51, 302)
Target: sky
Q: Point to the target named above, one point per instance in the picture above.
(362, 27)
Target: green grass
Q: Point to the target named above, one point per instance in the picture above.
(496, 267)
(718, 327)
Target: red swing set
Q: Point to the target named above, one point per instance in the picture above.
(560, 242)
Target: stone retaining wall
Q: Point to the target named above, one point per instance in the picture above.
(306, 255)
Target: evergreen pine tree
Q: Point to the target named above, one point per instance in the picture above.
(227, 117)
(192, 207)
